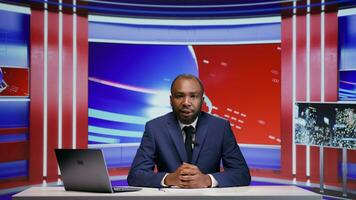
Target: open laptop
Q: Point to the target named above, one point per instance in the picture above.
(85, 170)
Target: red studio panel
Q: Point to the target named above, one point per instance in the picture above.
(243, 84)
(14, 82)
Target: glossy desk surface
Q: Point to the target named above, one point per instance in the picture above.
(248, 192)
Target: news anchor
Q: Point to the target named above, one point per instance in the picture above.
(188, 145)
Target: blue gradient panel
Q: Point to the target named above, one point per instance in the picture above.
(14, 114)
(119, 183)
(113, 124)
(347, 85)
(258, 183)
(347, 42)
(351, 170)
(151, 66)
(7, 196)
(116, 101)
(129, 85)
(185, 34)
(265, 158)
(122, 156)
(205, 9)
(14, 39)
(13, 137)
(13, 169)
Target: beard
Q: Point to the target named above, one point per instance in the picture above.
(185, 115)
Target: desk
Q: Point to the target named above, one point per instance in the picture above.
(249, 192)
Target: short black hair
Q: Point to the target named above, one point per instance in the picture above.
(188, 76)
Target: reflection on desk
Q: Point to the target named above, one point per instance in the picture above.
(248, 192)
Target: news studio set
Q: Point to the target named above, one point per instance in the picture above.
(80, 79)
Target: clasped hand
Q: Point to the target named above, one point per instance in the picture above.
(188, 176)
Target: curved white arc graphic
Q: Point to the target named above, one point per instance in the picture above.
(123, 86)
(114, 132)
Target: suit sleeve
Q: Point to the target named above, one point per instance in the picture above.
(236, 171)
(142, 168)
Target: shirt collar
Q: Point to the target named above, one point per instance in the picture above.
(194, 124)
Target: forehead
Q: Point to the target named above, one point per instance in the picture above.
(187, 85)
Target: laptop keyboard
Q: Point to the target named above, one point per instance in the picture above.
(125, 189)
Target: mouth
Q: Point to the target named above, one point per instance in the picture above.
(186, 113)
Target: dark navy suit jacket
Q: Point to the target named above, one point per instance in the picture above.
(162, 145)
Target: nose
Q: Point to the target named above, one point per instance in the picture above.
(186, 101)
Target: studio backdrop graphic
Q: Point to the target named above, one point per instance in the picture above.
(14, 95)
(129, 84)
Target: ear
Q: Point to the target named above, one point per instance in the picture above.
(171, 99)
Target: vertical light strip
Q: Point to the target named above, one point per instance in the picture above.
(322, 66)
(294, 69)
(321, 168)
(322, 49)
(308, 51)
(45, 81)
(60, 75)
(74, 113)
(307, 156)
(344, 172)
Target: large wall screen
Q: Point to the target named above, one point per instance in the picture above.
(129, 84)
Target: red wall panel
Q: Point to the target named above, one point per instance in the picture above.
(315, 63)
(331, 89)
(13, 151)
(82, 82)
(300, 162)
(330, 58)
(286, 97)
(52, 89)
(301, 89)
(314, 164)
(67, 80)
(316, 85)
(301, 67)
(13, 130)
(36, 95)
(52, 100)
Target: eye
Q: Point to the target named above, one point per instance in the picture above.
(178, 96)
(194, 96)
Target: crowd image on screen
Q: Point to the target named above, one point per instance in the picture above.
(330, 125)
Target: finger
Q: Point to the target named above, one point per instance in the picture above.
(189, 171)
(186, 178)
(194, 167)
(186, 165)
(184, 184)
(196, 184)
(191, 167)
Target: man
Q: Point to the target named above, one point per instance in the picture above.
(188, 157)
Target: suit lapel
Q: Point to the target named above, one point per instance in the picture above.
(200, 135)
(177, 137)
